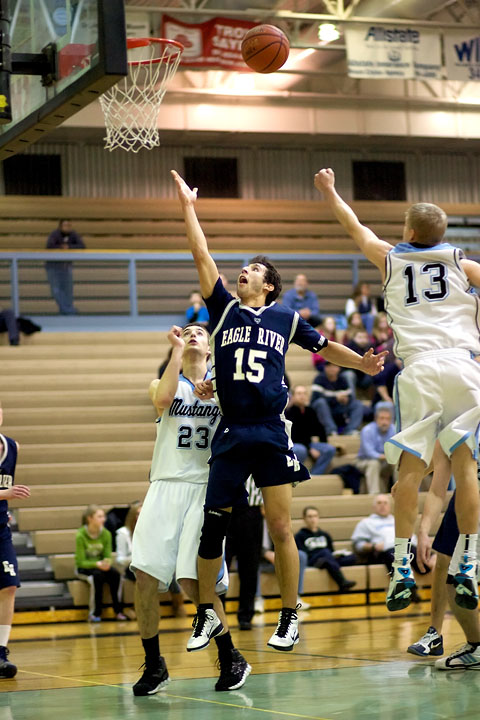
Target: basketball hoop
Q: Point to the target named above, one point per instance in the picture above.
(131, 106)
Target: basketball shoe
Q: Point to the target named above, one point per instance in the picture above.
(402, 585)
(466, 584)
(7, 669)
(466, 658)
(206, 624)
(286, 635)
(233, 671)
(430, 644)
(152, 680)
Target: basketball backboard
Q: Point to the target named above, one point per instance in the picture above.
(90, 41)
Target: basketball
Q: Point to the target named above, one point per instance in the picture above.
(265, 48)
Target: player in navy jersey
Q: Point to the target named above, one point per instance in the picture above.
(434, 314)
(9, 580)
(250, 337)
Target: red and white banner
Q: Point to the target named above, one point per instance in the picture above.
(215, 43)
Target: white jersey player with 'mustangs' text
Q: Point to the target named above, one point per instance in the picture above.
(433, 313)
(167, 533)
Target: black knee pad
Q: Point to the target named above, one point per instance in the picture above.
(213, 532)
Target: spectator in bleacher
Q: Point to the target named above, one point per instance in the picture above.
(93, 561)
(196, 311)
(360, 343)
(60, 272)
(318, 545)
(328, 328)
(303, 301)
(308, 434)
(123, 537)
(381, 332)
(373, 538)
(334, 402)
(354, 323)
(362, 302)
(371, 457)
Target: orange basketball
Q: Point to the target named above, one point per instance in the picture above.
(265, 48)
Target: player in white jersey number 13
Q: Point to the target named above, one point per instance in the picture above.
(250, 337)
(433, 313)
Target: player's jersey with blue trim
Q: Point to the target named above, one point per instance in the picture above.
(429, 301)
(184, 434)
(248, 355)
(8, 461)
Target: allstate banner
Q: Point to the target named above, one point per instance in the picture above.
(214, 43)
(383, 51)
(462, 55)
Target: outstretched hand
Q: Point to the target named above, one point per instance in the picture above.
(324, 179)
(373, 364)
(186, 195)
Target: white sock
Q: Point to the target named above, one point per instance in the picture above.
(4, 634)
(468, 542)
(402, 550)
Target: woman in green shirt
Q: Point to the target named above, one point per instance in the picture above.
(93, 558)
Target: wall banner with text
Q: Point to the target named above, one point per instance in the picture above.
(214, 43)
(378, 51)
(462, 55)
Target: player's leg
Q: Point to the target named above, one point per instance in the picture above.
(277, 502)
(402, 581)
(431, 643)
(7, 602)
(147, 609)
(467, 507)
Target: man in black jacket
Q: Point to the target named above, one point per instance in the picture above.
(59, 272)
(308, 434)
(319, 548)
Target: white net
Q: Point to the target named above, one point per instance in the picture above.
(131, 106)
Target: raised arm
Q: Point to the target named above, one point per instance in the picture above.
(371, 246)
(206, 268)
(162, 392)
(472, 271)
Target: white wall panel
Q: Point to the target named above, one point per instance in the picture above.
(265, 172)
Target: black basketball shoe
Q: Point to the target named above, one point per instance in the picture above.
(152, 680)
(233, 671)
(7, 669)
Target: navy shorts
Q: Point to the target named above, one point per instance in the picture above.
(447, 535)
(249, 450)
(8, 560)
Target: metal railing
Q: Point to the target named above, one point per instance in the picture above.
(132, 258)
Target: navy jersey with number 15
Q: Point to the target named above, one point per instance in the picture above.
(248, 355)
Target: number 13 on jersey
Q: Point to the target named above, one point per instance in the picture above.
(438, 283)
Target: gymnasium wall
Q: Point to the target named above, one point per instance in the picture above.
(264, 173)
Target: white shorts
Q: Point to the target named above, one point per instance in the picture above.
(437, 395)
(167, 533)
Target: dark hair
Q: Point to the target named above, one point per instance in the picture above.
(272, 277)
(132, 515)
(196, 324)
(60, 222)
(309, 507)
